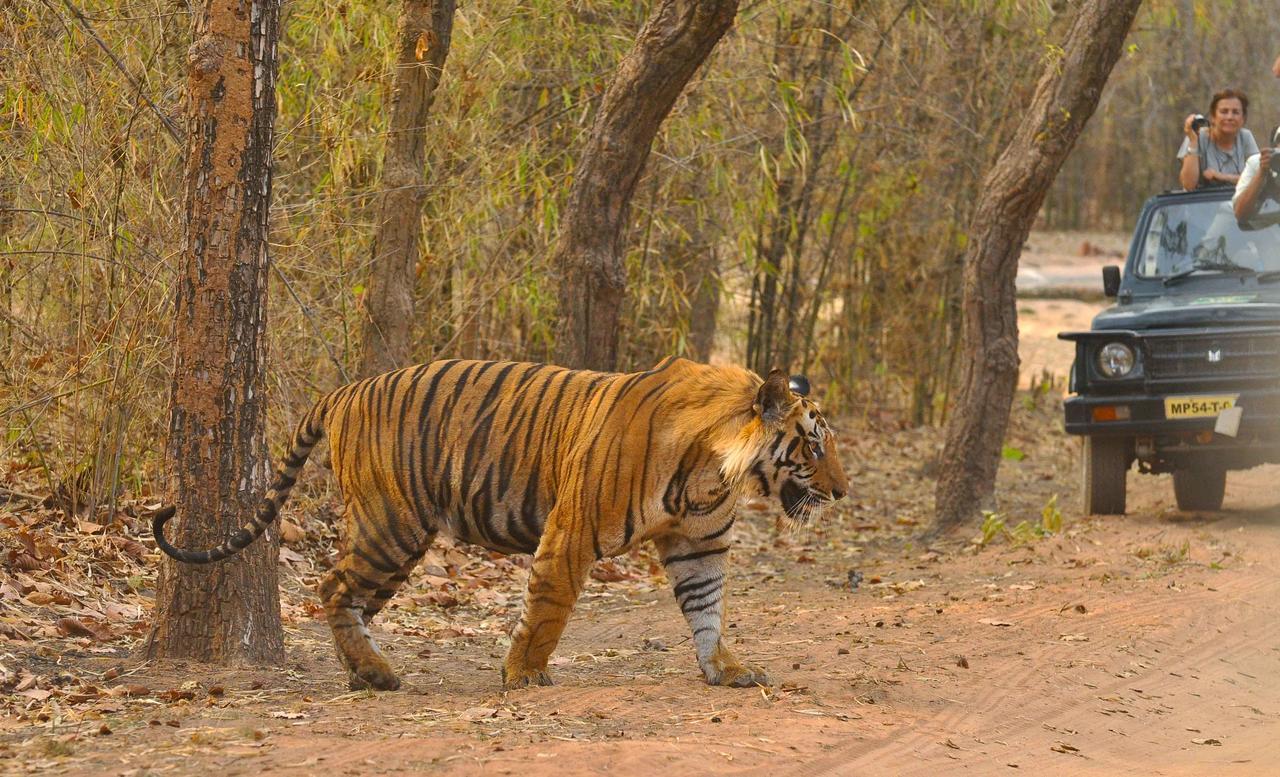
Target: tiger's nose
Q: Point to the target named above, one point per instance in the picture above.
(837, 494)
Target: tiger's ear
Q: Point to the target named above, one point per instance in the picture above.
(774, 399)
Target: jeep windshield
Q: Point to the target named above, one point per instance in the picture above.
(1184, 240)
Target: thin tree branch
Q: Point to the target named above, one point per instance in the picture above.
(43, 400)
(306, 312)
(164, 119)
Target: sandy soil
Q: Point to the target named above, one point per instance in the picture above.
(1145, 644)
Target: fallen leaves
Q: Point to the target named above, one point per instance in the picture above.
(74, 627)
(130, 547)
(479, 713)
(291, 533)
(610, 571)
(72, 577)
(129, 689)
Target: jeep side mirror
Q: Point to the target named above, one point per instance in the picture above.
(1111, 280)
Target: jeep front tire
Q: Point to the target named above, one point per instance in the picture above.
(1199, 489)
(1106, 461)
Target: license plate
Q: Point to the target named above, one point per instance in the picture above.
(1198, 407)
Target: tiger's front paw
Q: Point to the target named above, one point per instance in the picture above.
(522, 677)
(738, 676)
(373, 674)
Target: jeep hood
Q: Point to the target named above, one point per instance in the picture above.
(1246, 308)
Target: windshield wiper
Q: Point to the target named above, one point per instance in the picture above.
(1230, 267)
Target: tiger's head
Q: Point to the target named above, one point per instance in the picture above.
(797, 461)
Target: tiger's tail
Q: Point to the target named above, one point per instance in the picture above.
(309, 432)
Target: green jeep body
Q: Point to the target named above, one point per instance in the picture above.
(1198, 305)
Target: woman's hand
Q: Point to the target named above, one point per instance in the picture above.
(1192, 137)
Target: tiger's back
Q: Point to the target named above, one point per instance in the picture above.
(457, 446)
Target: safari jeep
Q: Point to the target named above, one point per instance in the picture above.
(1182, 374)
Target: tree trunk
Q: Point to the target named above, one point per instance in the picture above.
(704, 271)
(675, 40)
(216, 455)
(426, 27)
(1011, 196)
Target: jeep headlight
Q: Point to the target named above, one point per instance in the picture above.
(1116, 360)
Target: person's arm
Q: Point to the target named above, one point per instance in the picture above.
(1276, 68)
(1248, 190)
(1189, 173)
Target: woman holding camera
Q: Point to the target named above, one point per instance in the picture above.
(1215, 150)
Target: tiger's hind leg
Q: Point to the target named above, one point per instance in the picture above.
(388, 590)
(376, 562)
(556, 577)
(696, 570)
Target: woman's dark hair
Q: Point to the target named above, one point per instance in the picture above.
(1229, 94)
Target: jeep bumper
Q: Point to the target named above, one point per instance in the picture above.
(1144, 414)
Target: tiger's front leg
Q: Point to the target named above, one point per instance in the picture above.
(696, 569)
(556, 577)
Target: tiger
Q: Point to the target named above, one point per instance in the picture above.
(571, 466)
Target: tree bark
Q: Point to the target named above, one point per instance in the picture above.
(216, 454)
(426, 27)
(704, 271)
(1011, 196)
(675, 40)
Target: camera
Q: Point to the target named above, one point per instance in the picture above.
(1198, 122)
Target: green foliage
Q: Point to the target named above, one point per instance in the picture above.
(1169, 555)
(828, 148)
(995, 526)
(992, 527)
(1040, 388)
(1051, 516)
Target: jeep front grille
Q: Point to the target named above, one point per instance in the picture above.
(1225, 354)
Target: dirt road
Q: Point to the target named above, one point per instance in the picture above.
(1147, 644)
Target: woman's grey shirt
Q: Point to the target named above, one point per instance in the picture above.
(1230, 162)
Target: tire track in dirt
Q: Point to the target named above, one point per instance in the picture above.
(1246, 603)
